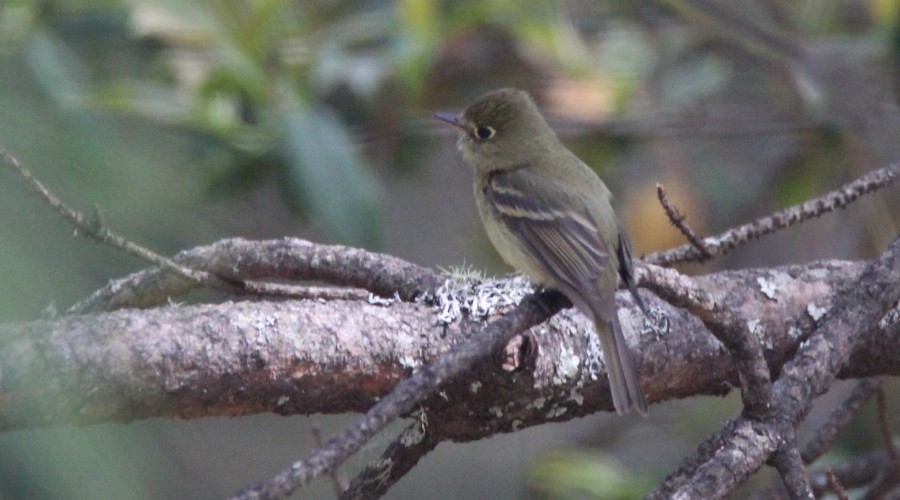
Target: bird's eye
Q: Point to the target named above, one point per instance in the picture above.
(484, 132)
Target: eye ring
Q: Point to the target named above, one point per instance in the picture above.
(484, 132)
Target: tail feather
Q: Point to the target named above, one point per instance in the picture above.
(624, 382)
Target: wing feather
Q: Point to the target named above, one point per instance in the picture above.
(563, 238)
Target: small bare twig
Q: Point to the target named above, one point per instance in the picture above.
(307, 292)
(101, 234)
(857, 472)
(677, 220)
(835, 484)
(733, 238)
(840, 417)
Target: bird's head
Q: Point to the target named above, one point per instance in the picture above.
(501, 130)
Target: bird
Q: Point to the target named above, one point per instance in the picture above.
(550, 216)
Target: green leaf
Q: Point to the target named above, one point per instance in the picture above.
(58, 70)
(328, 176)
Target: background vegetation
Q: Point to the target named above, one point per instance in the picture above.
(185, 122)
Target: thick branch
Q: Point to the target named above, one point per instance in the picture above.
(302, 357)
(408, 393)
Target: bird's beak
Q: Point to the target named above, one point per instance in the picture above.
(451, 119)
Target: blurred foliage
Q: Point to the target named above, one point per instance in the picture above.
(244, 75)
(574, 475)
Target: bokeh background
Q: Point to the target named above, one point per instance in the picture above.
(186, 122)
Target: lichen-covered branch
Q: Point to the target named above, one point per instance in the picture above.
(337, 356)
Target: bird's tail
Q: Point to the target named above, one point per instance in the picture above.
(624, 382)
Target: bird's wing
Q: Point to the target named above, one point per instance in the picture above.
(557, 231)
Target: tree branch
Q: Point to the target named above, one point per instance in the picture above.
(95, 230)
(302, 357)
(808, 374)
(413, 443)
(286, 259)
(839, 419)
(733, 238)
(347, 353)
(407, 394)
(231, 265)
(677, 220)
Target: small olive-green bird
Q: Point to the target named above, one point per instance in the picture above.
(550, 216)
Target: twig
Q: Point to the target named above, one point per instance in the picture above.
(744, 445)
(398, 459)
(223, 279)
(727, 324)
(889, 482)
(733, 238)
(885, 487)
(840, 417)
(101, 234)
(856, 472)
(304, 292)
(677, 219)
(408, 393)
(790, 466)
(705, 452)
(289, 259)
(835, 484)
(337, 479)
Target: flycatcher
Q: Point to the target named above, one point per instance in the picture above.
(550, 216)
